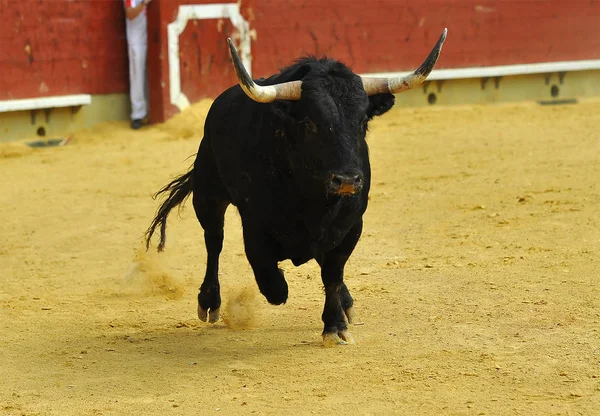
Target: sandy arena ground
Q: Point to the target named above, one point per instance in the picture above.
(476, 279)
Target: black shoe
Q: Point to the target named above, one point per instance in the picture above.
(136, 124)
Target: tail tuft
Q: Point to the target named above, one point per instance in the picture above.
(179, 190)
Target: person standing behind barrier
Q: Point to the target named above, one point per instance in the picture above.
(137, 43)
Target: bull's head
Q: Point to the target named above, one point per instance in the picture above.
(326, 112)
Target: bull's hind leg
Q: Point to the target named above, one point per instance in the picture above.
(211, 214)
(338, 310)
(210, 203)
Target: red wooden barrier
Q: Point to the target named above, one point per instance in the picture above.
(78, 46)
(62, 47)
(377, 36)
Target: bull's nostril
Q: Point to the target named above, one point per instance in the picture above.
(345, 184)
(336, 181)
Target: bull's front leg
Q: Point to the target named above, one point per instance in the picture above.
(261, 256)
(338, 310)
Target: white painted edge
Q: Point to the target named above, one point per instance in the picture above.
(198, 12)
(25, 104)
(500, 71)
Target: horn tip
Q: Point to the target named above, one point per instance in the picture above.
(444, 34)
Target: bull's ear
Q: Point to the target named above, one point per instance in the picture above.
(380, 104)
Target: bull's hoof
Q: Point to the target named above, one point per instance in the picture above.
(202, 313)
(350, 314)
(331, 339)
(212, 315)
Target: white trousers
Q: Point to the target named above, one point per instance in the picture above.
(137, 79)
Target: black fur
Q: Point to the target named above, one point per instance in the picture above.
(275, 162)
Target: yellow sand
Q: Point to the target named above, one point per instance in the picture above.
(476, 279)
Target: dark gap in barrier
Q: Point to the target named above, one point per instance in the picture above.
(431, 98)
(558, 102)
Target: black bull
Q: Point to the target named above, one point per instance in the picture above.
(290, 154)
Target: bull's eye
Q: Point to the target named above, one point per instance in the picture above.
(311, 127)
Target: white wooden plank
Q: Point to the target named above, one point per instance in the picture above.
(501, 71)
(45, 102)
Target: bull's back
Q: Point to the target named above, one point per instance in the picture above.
(233, 130)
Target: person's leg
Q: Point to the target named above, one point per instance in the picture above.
(137, 79)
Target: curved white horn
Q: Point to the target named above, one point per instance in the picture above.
(263, 93)
(400, 84)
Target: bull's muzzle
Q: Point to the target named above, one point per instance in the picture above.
(345, 183)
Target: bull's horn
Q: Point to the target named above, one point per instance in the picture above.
(263, 93)
(400, 84)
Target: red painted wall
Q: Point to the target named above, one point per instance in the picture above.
(394, 35)
(56, 47)
(375, 36)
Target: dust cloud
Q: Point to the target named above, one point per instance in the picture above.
(241, 308)
(148, 275)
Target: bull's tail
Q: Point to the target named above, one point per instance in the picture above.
(179, 190)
